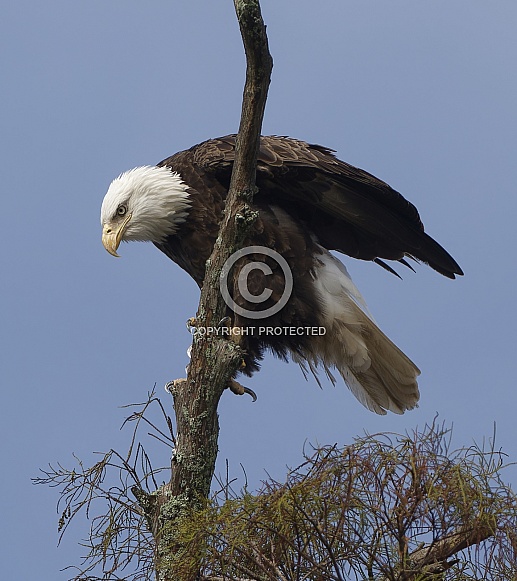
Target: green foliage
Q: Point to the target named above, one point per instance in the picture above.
(388, 507)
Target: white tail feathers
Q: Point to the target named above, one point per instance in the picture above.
(375, 369)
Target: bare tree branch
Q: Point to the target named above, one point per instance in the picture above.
(214, 359)
(433, 559)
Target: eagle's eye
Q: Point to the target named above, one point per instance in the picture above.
(121, 210)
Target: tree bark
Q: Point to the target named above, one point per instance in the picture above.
(431, 561)
(214, 359)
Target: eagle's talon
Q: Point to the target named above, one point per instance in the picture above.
(251, 393)
(191, 323)
(233, 333)
(238, 389)
(170, 386)
(224, 322)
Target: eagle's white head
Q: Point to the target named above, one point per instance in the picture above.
(145, 203)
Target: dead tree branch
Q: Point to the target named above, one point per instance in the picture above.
(434, 559)
(214, 359)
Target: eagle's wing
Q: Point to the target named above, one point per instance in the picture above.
(347, 208)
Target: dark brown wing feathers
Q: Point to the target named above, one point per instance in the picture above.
(347, 208)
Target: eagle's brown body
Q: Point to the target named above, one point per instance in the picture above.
(308, 203)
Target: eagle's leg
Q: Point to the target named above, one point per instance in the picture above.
(234, 333)
(234, 386)
(238, 389)
(170, 386)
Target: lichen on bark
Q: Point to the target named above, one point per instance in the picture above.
(214, 359)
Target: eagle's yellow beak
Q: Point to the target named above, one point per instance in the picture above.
(112, 235)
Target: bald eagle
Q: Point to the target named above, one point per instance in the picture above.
(308, 203)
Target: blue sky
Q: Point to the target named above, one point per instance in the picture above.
(420, 94)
